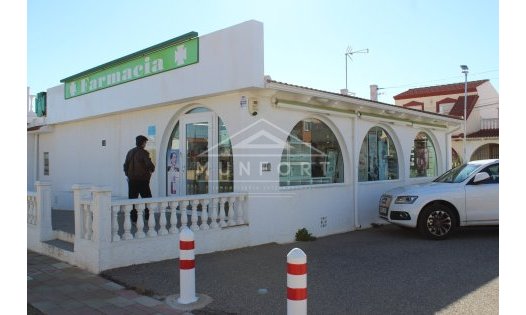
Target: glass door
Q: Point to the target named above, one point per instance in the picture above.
(197, 158)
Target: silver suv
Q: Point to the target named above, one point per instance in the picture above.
(463, 196)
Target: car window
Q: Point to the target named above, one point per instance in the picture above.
(493, 171)
(457, 174)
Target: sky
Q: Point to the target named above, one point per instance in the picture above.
(410, 43)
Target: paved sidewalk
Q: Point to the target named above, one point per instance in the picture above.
(55, 287)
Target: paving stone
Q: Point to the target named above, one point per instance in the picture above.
(61, 265)
(120, 301)
(147, 301)
(112, 286)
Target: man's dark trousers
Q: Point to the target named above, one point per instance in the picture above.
(136, 188)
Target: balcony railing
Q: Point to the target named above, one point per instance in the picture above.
(491, 123)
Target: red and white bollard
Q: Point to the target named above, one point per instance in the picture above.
(296, 282)
(187, 267)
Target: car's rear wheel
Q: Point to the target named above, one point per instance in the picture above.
(437, 221)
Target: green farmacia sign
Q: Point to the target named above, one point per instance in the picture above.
(172, 54)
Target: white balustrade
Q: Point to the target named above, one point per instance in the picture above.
(205, 212)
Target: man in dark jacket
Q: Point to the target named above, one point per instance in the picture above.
(138, 167)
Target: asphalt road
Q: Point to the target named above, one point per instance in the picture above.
(384, 270)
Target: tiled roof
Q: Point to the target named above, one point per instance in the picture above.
(482, 133)
(447, 89)
(458, 108)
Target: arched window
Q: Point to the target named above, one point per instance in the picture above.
(423, 161)
(456, 158)
(487, 151)
(378, 158)
(312, 155)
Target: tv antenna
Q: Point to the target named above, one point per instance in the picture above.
(348, 55)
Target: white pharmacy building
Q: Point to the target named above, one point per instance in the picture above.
(240, 158)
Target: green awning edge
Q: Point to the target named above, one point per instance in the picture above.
(167, 43)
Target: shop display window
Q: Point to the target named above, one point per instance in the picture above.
(311, 156)
(423, 161)
(378, 158)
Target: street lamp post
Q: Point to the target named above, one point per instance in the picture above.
(465, 70)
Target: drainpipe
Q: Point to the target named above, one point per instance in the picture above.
(355, 173)
(37, 157)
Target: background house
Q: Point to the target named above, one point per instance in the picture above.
(482, 140)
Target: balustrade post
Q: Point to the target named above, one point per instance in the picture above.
(231, 212)
(222, 222)
(44, 211)
(140, 222)
(162, 218)
(127, 223)
(194, 225)
(115, 223)
(173, 217)
(204, 214)
(184, 216)
(214, 224)
(151, 220)
(240, 202)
